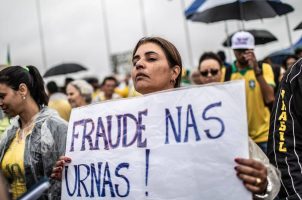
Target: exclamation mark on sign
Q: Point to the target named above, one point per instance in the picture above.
(147, 169)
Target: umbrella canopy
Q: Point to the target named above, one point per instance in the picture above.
(261, 37)
(278, 56)
(65, 68)
(219, 10)
(299, 26)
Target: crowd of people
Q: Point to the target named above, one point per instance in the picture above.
(33, 143)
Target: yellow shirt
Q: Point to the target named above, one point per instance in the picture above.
(95, 94)
(13, 166)
(62, 107)
(257, 113)
(102, 97)
(123, 92)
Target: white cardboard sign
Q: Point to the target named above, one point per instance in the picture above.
(173, 145)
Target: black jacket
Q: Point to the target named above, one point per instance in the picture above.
(285, 135)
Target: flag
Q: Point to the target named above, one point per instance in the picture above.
(8, 60)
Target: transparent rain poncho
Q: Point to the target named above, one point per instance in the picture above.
(273, 174)
(43, 146)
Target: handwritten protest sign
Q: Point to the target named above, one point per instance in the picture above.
(176, 145)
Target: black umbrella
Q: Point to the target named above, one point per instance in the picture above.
(299, 26)
(261, 37)
(216, 10)
(65, 68)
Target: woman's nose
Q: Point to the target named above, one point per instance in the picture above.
(139, 64)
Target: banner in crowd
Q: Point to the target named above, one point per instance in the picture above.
(178, 144)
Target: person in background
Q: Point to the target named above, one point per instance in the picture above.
(285, 141)
(37, 135)
(58, 100)
(259, 83)
(278, 71)
(4, 122)
(288, 62)
(79, 93)
(157, 66)
(210, 68)
(195, 77)
(210, 62)
(222, 57)
(66, 82)
(108, 86)
(298, 52)
(94, 82)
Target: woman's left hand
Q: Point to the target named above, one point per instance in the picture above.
(253, 174)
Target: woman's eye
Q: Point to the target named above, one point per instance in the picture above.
(152, 59)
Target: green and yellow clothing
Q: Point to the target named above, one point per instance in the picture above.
(257, 113)
(62, 107)
(12, 166)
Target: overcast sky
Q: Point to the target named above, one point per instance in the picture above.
(75, 30)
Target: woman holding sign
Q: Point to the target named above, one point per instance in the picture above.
(36, 137)
(157, 66)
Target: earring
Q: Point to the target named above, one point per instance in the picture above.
(23, 97)
(172, 81)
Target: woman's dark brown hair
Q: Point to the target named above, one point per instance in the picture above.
(209, 55)
(13, 76)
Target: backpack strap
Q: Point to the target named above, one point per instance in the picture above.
(268, 105)
(228, 73)
(260, 64)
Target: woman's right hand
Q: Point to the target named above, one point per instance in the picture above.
(58, 168)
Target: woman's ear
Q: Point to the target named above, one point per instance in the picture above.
(175, 72)
(23, 90)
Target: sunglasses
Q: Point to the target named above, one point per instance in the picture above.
(213, 72)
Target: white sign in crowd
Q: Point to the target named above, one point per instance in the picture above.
(173, 145)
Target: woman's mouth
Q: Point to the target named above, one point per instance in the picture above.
(140, 76)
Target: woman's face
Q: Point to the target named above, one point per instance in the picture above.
(151, 71)
(74, 97)
(10, 100)
(209, 71)
(290, 62)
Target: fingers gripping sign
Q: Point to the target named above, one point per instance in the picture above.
(253, 174)
(58, 168)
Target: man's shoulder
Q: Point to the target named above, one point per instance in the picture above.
(266, 66)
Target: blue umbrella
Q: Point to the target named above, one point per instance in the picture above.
(278, 56)
(219, 10)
